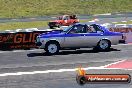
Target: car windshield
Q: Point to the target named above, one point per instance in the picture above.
(67, 29)
(60, 18)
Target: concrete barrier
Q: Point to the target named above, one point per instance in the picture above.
(20, 39)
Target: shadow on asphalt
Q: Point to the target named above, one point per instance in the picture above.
(69, 52)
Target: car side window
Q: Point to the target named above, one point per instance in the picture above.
(60, 18)
(97, 28)
(78, 29)
(66, 18)
(91, 29)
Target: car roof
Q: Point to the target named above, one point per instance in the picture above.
(80, 24)
(85, 24)
(103, 28)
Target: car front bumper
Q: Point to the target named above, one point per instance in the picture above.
(38, 44)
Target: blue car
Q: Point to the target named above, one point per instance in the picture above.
(78, 36)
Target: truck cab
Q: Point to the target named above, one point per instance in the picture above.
(64, 20)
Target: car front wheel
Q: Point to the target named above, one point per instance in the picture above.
(52, 48)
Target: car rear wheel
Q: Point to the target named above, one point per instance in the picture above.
(52, 48)
(51, 27)
(103, 45)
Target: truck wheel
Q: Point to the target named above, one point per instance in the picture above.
(103, 45)
(58, 26)
(52, 48)
(51, 27)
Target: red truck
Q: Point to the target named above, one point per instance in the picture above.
(64, 20)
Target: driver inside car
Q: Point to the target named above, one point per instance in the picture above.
(91, 29)
(78, 29)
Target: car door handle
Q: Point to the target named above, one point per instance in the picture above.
(101, 34)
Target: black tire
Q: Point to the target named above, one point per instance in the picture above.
(103, 45)
(51, 27)
(52, 48)
(58, 25)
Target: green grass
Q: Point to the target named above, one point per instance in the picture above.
(22, 25)
(85, 20)
(32, 8)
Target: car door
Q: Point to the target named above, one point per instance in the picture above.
(93, 35)
(75, 37)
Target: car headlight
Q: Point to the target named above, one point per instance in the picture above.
(38, 39)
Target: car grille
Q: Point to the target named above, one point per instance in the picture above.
(52, 23)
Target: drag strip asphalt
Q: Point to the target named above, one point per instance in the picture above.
(37, 61)
(35, 69)
(37, 58)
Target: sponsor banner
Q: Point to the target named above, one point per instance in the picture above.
(20, 37)
(104, 78)
(83, 78)
(19, 40)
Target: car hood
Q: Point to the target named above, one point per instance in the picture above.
(51, 34)
(55, 21)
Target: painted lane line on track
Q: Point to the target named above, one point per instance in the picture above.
(27, 50)
(56, 71)
(114, 22)
(127, 64)
(37, 72)
(123, 44)
(130, 43)
(123, 21)
(20, 50)
(112, 63)
(91, 21)
(63, 70)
